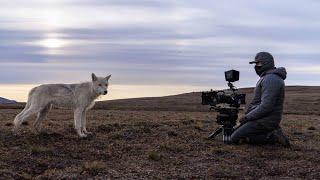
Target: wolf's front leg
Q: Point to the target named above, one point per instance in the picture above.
(84, 123)
(78, 113)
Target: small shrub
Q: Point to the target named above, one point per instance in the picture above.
(104, 128)
(117, 136)
(172, 133)
(198, 127)
(94, 167)
(155, 156)
(24, 175)
(8, 124)
(40, 150)
(311, 128)
(146, 130)
(172, 147)
(187, 122)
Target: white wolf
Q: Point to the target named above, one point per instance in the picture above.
(79, 97)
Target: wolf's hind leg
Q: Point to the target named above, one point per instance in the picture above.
(41, 117)
(23, 117)
(17, 119)
(24, 113)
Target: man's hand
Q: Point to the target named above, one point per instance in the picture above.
(243, 120)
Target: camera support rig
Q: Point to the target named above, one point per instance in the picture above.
(228, 115)
(227, 119)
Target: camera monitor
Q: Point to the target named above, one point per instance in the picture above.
(232, 75)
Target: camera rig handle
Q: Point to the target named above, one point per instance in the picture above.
(232, 87)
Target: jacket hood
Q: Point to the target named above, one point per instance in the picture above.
(267, 62)
(281, 72)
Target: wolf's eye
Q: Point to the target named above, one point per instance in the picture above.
(99, 84)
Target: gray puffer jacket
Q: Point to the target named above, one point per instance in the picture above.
(267, 105)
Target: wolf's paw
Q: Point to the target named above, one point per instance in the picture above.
(83, 135)
(88, 133)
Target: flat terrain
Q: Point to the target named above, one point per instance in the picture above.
(159, 138)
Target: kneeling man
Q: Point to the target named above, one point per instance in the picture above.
(261, 123)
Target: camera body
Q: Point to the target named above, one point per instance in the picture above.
(234, 99)
(214, 98)
(228, 114)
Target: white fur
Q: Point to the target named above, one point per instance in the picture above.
(79, 97)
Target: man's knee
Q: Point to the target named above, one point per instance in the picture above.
(244, 132)
(235, 138)
(240, 133)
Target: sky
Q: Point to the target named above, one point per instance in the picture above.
(154, 47)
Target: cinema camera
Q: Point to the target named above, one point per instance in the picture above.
(227, 103)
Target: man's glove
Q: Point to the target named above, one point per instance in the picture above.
(243, 120)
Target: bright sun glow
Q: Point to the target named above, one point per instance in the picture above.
(52, 43)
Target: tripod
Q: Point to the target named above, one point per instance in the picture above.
(226, 137)
(227, 119)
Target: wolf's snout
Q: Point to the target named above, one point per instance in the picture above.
(105, 92)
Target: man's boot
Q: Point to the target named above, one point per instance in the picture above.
(280, 137)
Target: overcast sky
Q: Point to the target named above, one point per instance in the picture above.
(156, 42)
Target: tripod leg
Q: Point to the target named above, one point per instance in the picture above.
(215, 133)
(227, 134)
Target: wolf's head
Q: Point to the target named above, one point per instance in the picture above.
(100, 84)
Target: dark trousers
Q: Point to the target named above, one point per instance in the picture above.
(252, 133)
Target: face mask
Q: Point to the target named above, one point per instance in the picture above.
(258, 70)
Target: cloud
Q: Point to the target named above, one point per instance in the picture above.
(187, 43)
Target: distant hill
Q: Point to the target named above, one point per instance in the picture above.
(299, 100)
(7, 101)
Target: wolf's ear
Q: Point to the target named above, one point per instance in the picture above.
(94, 77)
(108, 77)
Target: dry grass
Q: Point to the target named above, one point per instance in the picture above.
(155, 143)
